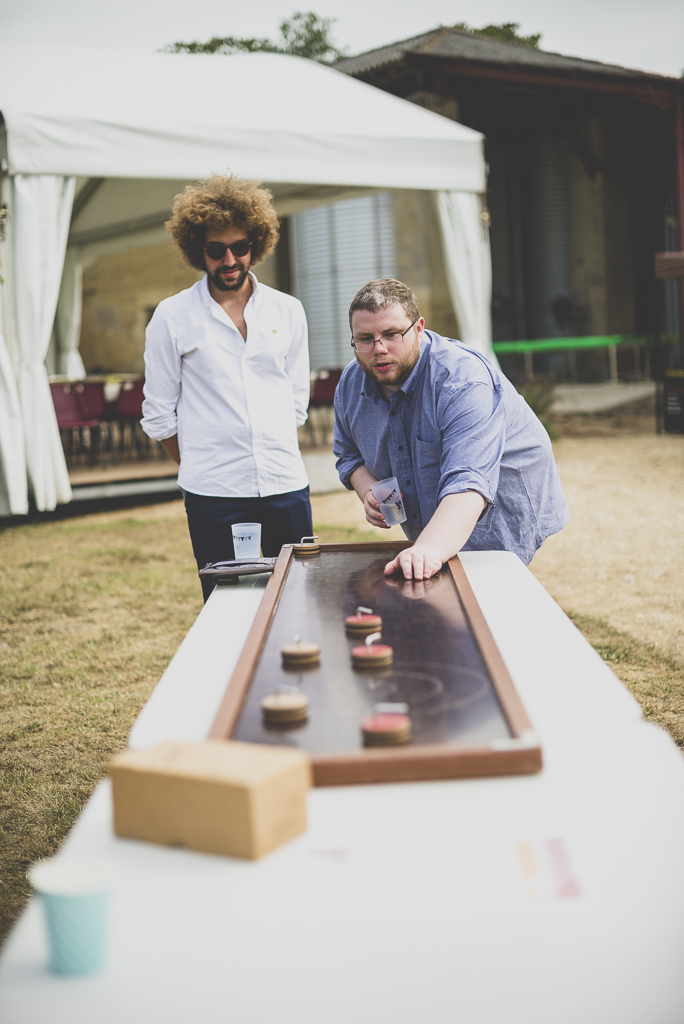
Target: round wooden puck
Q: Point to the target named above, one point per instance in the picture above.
(361, 624)
(386, 730)
(281, 708)
(372, 656)
(307, 546)
(300, 653)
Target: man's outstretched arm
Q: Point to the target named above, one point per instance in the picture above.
(442, 538)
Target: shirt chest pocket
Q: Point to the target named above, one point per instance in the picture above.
(268, 353)
(428, 457)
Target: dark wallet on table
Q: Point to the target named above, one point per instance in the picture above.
(220, 571)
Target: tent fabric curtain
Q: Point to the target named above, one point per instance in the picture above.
(13, 497)
(42, 210)
(468, 266)
(69, 362)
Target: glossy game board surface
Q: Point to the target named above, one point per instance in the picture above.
(438, 669)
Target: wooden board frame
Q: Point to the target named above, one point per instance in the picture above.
(519, 754)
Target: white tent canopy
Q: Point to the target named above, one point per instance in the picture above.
(146, 125)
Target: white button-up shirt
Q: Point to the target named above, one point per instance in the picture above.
(234, 404)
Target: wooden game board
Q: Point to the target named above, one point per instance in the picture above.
(468, 719)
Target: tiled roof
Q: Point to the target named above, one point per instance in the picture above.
(456, 45)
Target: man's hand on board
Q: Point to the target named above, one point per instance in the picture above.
(419, 562)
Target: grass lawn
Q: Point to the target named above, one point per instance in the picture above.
(91, 612)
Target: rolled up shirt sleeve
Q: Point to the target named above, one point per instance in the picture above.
(297, 368)
(347, 454)
(473, 425)
(162, 378)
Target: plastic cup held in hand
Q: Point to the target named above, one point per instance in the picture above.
(75, 898)
(246, 541)
(388, 496)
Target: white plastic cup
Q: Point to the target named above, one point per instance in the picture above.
(75, 897)
(246, 541)
(388, 496)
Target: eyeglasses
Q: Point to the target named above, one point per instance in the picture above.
(391, 338)
(217, 250)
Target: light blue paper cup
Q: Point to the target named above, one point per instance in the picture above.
(75, 897)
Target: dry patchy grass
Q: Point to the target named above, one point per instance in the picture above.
(90, 615)
(654, 677)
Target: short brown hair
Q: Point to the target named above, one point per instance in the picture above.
(384, 292)
(223, 202)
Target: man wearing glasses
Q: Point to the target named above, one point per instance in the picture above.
(474, 464)
(227, 376)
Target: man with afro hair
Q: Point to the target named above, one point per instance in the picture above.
(227, 375)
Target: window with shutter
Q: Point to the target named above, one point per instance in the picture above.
(335, 250)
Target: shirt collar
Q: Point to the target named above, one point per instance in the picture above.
(371, 388)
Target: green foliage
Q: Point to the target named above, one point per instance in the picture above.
(307, 35)
(506, 32)
(302, 35)
(223, 44)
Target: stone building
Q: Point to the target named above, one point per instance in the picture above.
(586, 181)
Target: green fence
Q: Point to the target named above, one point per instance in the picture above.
(566, 344)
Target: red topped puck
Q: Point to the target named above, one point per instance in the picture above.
(363, 623)
(372, 655)
(379, 730)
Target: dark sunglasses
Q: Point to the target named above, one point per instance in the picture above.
(217, 250)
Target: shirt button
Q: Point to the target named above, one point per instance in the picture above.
(393, 412)
(408, 483)
(401, 447)
(415, 515)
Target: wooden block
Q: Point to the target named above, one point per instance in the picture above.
(219, 796)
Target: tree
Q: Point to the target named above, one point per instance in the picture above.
(507, 32)
(303, 35)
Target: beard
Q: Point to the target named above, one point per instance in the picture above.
(400, 372)
(229, 286)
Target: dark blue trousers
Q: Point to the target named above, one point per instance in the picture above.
(284, 518)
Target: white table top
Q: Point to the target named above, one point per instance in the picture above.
(404, 902)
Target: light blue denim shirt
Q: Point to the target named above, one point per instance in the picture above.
(456, 424)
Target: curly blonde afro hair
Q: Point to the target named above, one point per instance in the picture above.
(223, 202)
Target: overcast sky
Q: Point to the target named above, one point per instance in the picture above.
(646, 34)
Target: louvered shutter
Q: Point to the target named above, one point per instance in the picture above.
(550, 276)
(337, 249)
